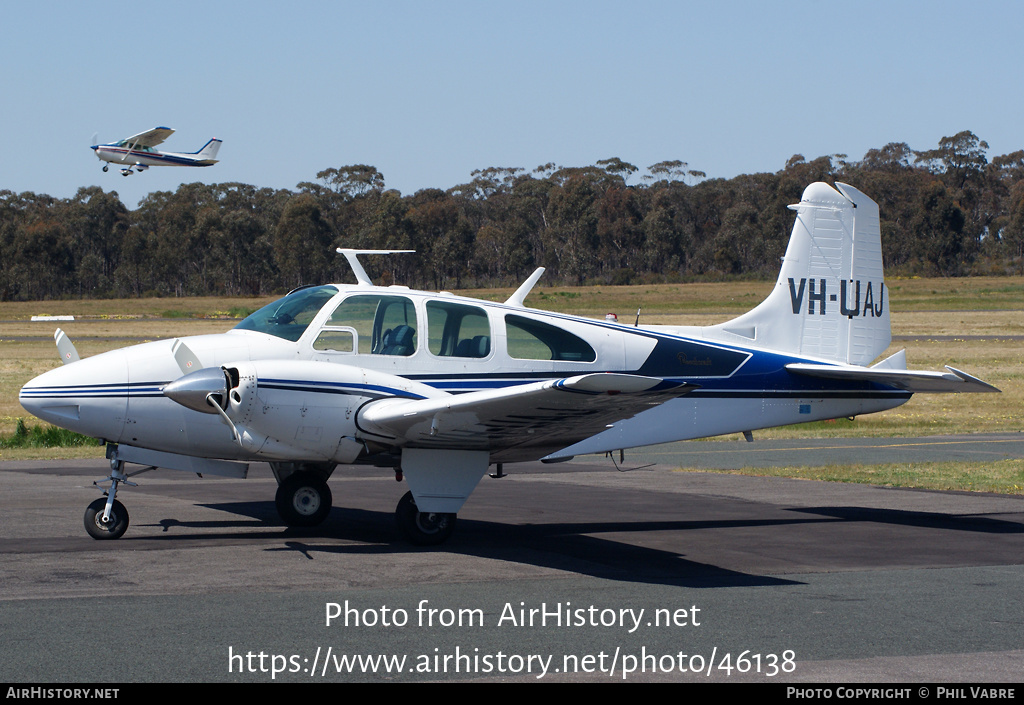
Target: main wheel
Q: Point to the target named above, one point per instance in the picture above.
(106, 168)
(303, 499)
(114, 528)
(423, 528)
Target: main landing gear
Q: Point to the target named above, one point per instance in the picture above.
(423, 528)
(303, 499)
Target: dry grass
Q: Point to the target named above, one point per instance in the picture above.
(1003, 476)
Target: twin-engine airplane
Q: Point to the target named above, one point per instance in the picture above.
(440, 387)
(137, 151)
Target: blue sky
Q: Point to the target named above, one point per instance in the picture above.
(429, 91)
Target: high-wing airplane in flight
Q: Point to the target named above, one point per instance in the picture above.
(137, 151)
(440, 387)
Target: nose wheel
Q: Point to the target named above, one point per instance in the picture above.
(101, 524)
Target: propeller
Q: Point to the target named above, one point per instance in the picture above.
(201, 389)
(183, 355)
(65, 348)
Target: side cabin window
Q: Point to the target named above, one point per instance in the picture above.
(289, 317)
(379, 325)
(457, 330)
(532, 340)
(335, 339)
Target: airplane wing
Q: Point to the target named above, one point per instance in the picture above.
(150, 138)
(916, 381)
(541, 415)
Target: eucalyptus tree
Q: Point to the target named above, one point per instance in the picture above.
(302, 243)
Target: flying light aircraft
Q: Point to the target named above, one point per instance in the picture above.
(441, 387)
(137, 151)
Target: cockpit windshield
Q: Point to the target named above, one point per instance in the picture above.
(289, 317)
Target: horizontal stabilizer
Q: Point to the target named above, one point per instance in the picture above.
(915, 381)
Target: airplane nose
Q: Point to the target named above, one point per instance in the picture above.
(89, 396)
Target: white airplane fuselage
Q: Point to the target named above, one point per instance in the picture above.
(118, 395)
(140, 157)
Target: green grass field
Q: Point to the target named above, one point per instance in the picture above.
(973, 324)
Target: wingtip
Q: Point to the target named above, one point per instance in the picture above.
(976, 384)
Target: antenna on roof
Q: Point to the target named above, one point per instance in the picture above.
(357, 269)
(518, 298)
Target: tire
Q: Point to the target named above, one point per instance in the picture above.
(113, 529)
(423, 528)
(303, 499)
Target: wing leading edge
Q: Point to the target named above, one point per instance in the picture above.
(541, 415)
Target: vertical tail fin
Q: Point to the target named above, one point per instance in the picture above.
(209, 150)
(830, 300)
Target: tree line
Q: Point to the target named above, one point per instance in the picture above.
(947, 211)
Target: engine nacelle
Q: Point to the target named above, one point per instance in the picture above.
(293, 409)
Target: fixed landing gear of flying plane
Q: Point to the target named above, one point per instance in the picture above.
(106, 168)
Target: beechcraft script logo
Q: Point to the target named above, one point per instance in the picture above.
(849, 306)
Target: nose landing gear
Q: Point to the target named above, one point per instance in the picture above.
(106, 518)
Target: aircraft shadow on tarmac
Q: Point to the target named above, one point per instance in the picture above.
(571, 546)
(986, 524)
(600, 549)
(562, 546)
